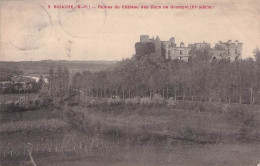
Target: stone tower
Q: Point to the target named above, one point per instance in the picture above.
(172, 42)
(158, 46)
(228, 50)
(144, 39)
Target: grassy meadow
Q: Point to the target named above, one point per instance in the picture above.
(123, 133)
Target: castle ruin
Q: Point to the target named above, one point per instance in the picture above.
(170, 50)
(229, 50)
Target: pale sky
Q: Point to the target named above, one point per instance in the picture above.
(32, 31)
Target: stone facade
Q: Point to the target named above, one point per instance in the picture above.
(200, 45)
(170, 50)
(146, 39)
(167, 49)
(228, 50)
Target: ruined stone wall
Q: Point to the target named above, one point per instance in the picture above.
(228, 50)
(179, 52)
(144, 48)
(169, 50)
(158, 47)
(144, 39)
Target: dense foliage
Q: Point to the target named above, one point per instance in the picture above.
(222, 80)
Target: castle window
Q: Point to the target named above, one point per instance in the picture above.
(228, 51)
(236, 51)
(180, 52)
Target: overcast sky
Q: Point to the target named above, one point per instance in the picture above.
(32, 31)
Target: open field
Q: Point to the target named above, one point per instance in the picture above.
(136, 135)
(13, 97)
(208, 126)
(150, 155)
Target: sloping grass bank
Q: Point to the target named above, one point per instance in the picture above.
(221, 124)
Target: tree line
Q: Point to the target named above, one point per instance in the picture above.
(150, 74)
(58, 86)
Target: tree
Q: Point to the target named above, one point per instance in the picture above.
(256, 53)
(40, 82)
(77, 83)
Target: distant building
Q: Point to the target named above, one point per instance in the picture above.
(200, 45)
(146, 39)
(170, 50)
(228, 50)
(167, 49)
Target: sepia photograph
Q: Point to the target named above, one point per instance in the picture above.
(129, 83)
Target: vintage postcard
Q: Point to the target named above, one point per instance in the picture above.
(129, 82)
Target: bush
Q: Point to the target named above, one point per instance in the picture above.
(128, 101)
(89, 101)
(101, 102)
(194, 105)
(132, 101)
(45, 102)
(246, 121)
(197, 106)
(37, 101)
(9, 103)
(115, 101)
(145, 101)
(24, 102)
(135, 100)
(9, 106)
(157, 99)
(171, 102)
